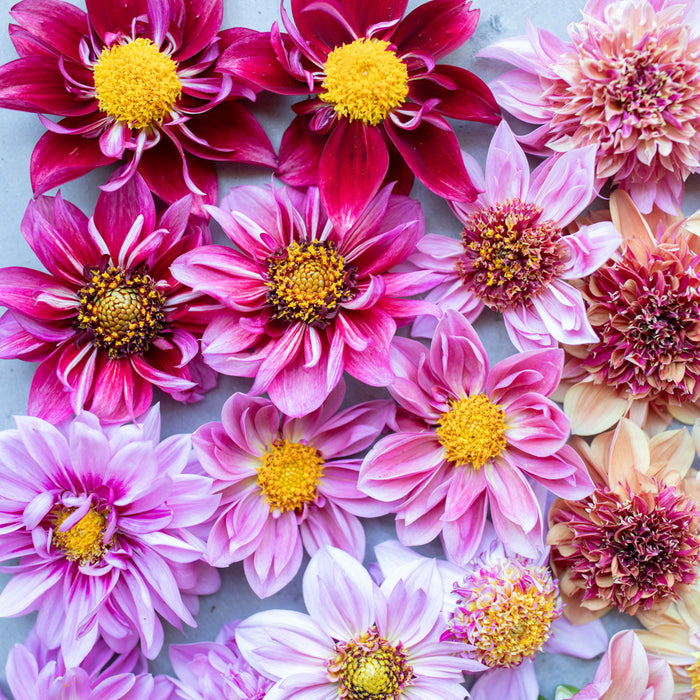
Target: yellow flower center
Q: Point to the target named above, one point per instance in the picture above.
(365, 80)
(472, 431)
(370, 668)
(136, 83)
(694, 674)
(121, 310)
(289, 475)
(84, 542)
(307, 282)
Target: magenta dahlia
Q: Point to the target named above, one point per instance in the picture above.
(378, 97)
(108, 322)
(627, 82)
(134, 82)
(471, 440)
(287, 484)
(303, 300)
(106, 525)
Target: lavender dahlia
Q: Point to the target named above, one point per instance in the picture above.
(108, 322)
(303, 300)
(133, 82)
(105, 522)
(287, 484)
(358, 640)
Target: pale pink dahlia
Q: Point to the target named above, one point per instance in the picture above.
(216, 670)
(514, 256)
(379, 100)
(105, 522)
(36, 673)
(287, 484)
(471, 440)
(359, 641)
(108, 322)
(304, 301)
(627, 81)
(135, 82)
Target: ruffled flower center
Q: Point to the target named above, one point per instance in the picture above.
(505, 611)
(365, 80)
(370, 668)
(84, 541)
(121, 310)
(510, 256)
(308, 281)
(135, 83)
(289, 475)
(473, 431)
(694, 675)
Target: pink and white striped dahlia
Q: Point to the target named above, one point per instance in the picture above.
(134, 82)
(358, 641)
(514, 256)
(106, 524)
(36, 673)
(108, 322)
(304, 301)
(378, 98)
(627, 82)
(471, 440)
(287, 484)
(216, 670)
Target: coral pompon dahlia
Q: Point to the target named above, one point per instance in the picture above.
(645, 308)
(472, 438)
(287, 484)
(378, 97)
(303, 300)
(136, 83)
(105, 524)
(627, 81)
(108, 322)
(633, 543)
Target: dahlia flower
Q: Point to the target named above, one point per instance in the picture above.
(105, 522)
(136, 83)
(216, 670)
(645, 308)
(358, 641)
(36, 673)
(633, 543)
(472, 438)
(503, 609)
(108, 321)
(378, 98)
(287, 484)
(514, 257)
(627, 82)
(303, 300)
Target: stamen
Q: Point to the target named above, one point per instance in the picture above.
(84, 542)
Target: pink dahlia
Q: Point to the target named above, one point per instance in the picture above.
(303, 300)
(105, 522)
(287, 484)
(627, 82)
(216, 670)
(108, 322)
(514, 256)
(134, 82)
(358, 641)
(471, 439)
(36, 673)
(378, 99)
(645, 308)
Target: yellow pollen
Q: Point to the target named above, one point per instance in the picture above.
(472, 431)
(694, 674)
(307, 282)
(365, 80)
(289, 475)
(136, 84)
(84, 542)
